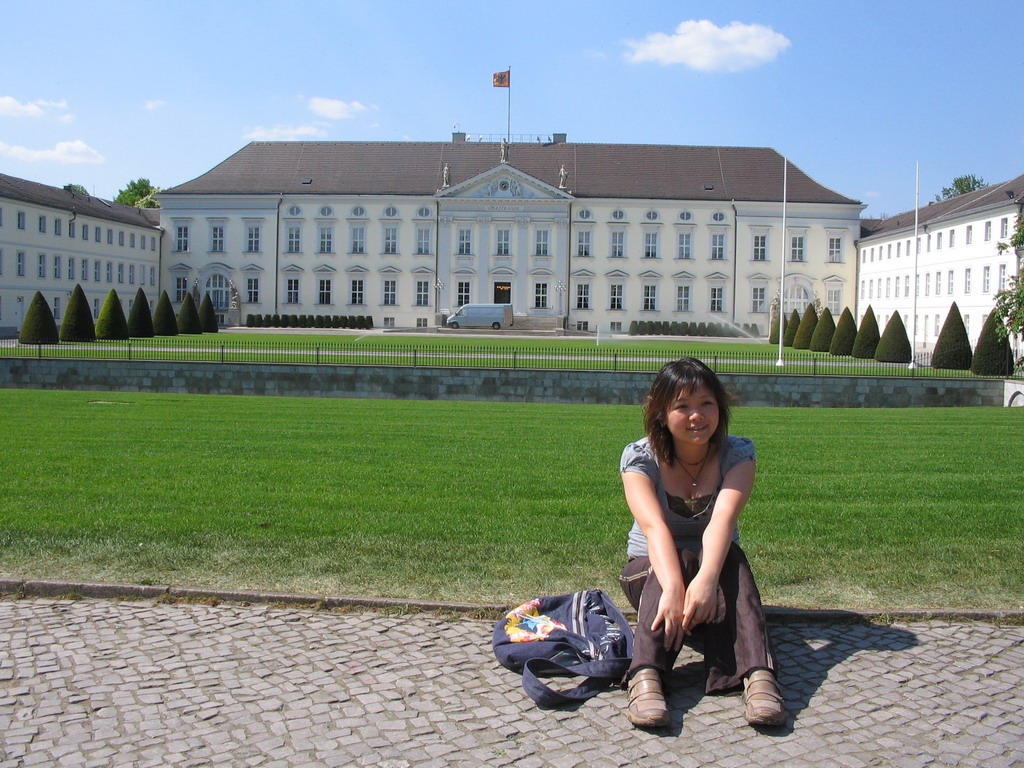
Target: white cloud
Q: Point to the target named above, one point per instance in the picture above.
(335, 109)
(68, 118)
(11, 107)
(153, 104)
(284, 133)
(65, 153)
(704, 46)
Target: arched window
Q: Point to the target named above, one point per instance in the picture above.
(217, 287)
(797, 297)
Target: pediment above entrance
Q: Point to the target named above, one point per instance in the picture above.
(503, 182)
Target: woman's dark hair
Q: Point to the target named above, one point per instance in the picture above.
(685, 375)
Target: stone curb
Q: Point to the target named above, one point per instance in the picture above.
(778, 614)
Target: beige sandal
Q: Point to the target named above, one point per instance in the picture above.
(762, 700)
(647, 708)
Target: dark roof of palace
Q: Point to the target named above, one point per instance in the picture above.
(84, 205)
(993, 196)
(642, 171)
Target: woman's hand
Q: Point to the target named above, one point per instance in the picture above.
(700, 603)
(671, 614)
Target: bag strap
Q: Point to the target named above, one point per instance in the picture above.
(598, 676)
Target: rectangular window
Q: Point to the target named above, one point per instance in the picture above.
(835, 250)
(291, 290)
(540, 296)
(131, 274)
(21, 219)
(796, 248)
(927, 284)
(543, 237)
(583, 242)
(949, 283)
(834, 300)
(618, 245)
(938, 283)
(97, 234)
(969, 234)
(967, 280)
(986, 279)
(180, 237)
(757, 299)
(120, 273)
(96, 270)
(615, 296)
(684, 241)
(465, 241)
(120, 238)
(41, 267)
(390, 293)
(356, 292)
(252, 238)
(180, 289)
(422, 241)
(462, 293)
(906, 286)
(760, 248)
(71, 268)
(216, 238)
(294, 244)
(85, 231)
(325, 291)
(56, 307)
(358, 238)
(20, 264)
(131, 240)
(1002, 277)
(682, 298)
(938, 241)
(422, 293)
(1004, 227)
(888, 287)
(326, 238)
(650, 298)
(56, 267)
(72, 230)
(252, 290)
(718, 246)
(583, 296)
(84, 270)
(988, 232)
(390, 240)
(95, 308)
(58, 226)
(650, 245)
(42, 224)
(718, 299)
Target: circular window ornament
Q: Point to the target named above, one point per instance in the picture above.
(327, 211)
(294, 211)
(718, 216)
(391, 211)
(652, 215)
(359, 211)
(424, 212)
(503, 185)
(585, 214)
(618, 214)
(685, 216)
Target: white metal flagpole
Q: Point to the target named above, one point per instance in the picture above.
(508, 112)
(782, 281)
(917, 250)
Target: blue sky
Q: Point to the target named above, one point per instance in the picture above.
(854, 93)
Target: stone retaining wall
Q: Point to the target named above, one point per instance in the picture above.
(608, 387)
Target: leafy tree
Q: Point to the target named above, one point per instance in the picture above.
(139, 192)
(78, 189)
(992, 356)
(804, 332)
(823, 332)
(961, 186)
(207, 317)
(845, 335)
(792, 326)
(894, 346)
(111, 323)
(140, 321)
(38, 327)
(867, 337)
(77, 324)
(164, 321)
(188, 316)
(952, 349)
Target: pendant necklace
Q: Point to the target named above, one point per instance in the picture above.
(695, 479)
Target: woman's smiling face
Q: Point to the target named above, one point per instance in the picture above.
(692, 419)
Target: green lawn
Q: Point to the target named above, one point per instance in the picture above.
(869, 509)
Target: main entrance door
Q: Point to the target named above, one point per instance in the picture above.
(503, 293)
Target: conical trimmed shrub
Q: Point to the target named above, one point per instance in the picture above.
(992, 356)
(867, 337)
(207, 317)
(773, 334)
(823, 332)
(845, 335)
(188, 316)
(894, 346)
(77, 324)
(952, 349)
(38, 327)
(164, 321)
(111, 323)
(140, 321)
(805, 330)
(792, 326)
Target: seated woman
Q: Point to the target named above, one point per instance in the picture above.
(686, 484)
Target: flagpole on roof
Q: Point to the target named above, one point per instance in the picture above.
(508, 112)
(917, 249)
(782, 281)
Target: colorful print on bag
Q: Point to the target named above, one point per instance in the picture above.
(526, 624)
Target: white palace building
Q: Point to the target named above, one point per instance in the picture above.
(583, 236)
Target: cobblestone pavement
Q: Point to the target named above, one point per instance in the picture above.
(142, 683)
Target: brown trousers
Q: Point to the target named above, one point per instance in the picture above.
(735, 645)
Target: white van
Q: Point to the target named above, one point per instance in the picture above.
(481, 316)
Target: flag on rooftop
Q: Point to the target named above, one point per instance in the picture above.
(502, 79)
